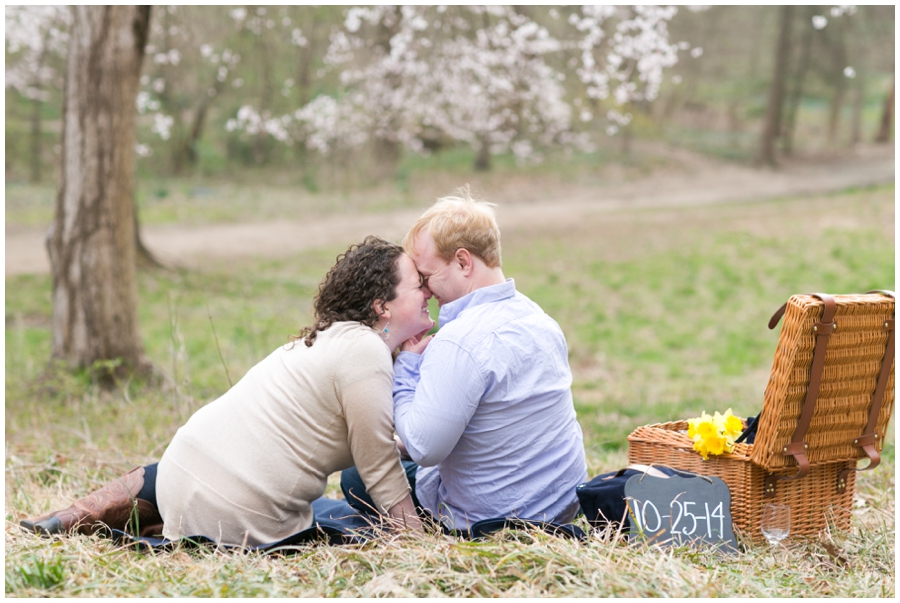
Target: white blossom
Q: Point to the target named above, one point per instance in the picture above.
(298, 39)
(142, 102)
(162, 125)
(33, 34)
(843, 9)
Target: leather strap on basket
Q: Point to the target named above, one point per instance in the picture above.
(798, 446)
(869, 438)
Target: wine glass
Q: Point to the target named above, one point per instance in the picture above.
(776, 523)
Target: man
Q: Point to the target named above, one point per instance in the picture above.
(484, 407)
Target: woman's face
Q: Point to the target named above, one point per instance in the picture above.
(409, 308)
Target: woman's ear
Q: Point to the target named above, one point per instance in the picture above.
(380, 309)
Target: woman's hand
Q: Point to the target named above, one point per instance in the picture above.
(404, 514)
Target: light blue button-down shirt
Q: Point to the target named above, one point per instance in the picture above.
(486, 411)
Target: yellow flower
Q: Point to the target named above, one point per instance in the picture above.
(700, 446)
(733, 425)
(714, 434)
(706, 430)
(716, 444)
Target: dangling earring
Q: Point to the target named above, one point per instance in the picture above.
(385, 332)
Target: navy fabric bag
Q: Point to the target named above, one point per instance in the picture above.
(603, 498)
(486, 527)
(748, 436)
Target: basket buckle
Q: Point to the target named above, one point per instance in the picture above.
(798, 451)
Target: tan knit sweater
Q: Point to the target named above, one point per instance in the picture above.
(245, 467)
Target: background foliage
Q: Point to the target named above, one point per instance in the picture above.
(664, 310)
(223, 86)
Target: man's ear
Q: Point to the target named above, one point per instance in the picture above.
(464, 260)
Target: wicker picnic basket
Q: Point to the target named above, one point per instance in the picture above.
(828, 404)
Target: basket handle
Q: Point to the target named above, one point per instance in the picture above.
(647, 469)
(869, 438)
(798, 446)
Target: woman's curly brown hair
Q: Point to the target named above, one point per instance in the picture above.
(362, 274)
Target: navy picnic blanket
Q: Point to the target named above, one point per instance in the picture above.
(336, 523)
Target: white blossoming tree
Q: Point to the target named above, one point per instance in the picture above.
(190, 63)
(36, 42)
(492, 77)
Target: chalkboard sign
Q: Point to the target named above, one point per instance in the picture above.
(676, 510)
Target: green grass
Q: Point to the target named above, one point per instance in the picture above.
(665, 313)
(269, 194)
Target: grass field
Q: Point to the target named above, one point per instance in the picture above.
(665, 313)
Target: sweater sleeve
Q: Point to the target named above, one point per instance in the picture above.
(363, 385)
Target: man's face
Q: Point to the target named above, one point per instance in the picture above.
(443, 279)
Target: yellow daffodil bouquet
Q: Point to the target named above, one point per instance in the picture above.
(714, 434)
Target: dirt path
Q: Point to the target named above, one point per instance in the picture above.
(698, 181)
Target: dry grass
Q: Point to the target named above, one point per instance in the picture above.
(508, 565)
(665, 315)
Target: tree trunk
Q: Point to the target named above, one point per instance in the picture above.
(262, 149)
(887, 118)
(387, 157)
(144, 258)
(859, 92)
(387, 150)
(626, 135)
(36, 140)
(839, 80)
(305, 58)
(199, 122)
(772, 124)
(483, 157)
(36, 105)
(92, 239)
(796, 96)
(834, 112)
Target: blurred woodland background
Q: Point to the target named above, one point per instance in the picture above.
(332, 96)
(666, 177)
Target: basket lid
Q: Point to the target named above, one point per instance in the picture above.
(852, 366)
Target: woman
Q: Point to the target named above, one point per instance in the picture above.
(246, 467)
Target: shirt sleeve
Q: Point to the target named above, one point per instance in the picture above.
(365, 392)
(435, 396)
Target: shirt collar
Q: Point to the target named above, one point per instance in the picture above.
(485, 295)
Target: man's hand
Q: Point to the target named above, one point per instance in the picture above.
(404, 454)
(417, 343)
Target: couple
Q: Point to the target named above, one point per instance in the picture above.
(483, 408)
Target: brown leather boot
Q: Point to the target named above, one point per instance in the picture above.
(113, 506)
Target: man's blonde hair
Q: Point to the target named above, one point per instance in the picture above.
(460, 222)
